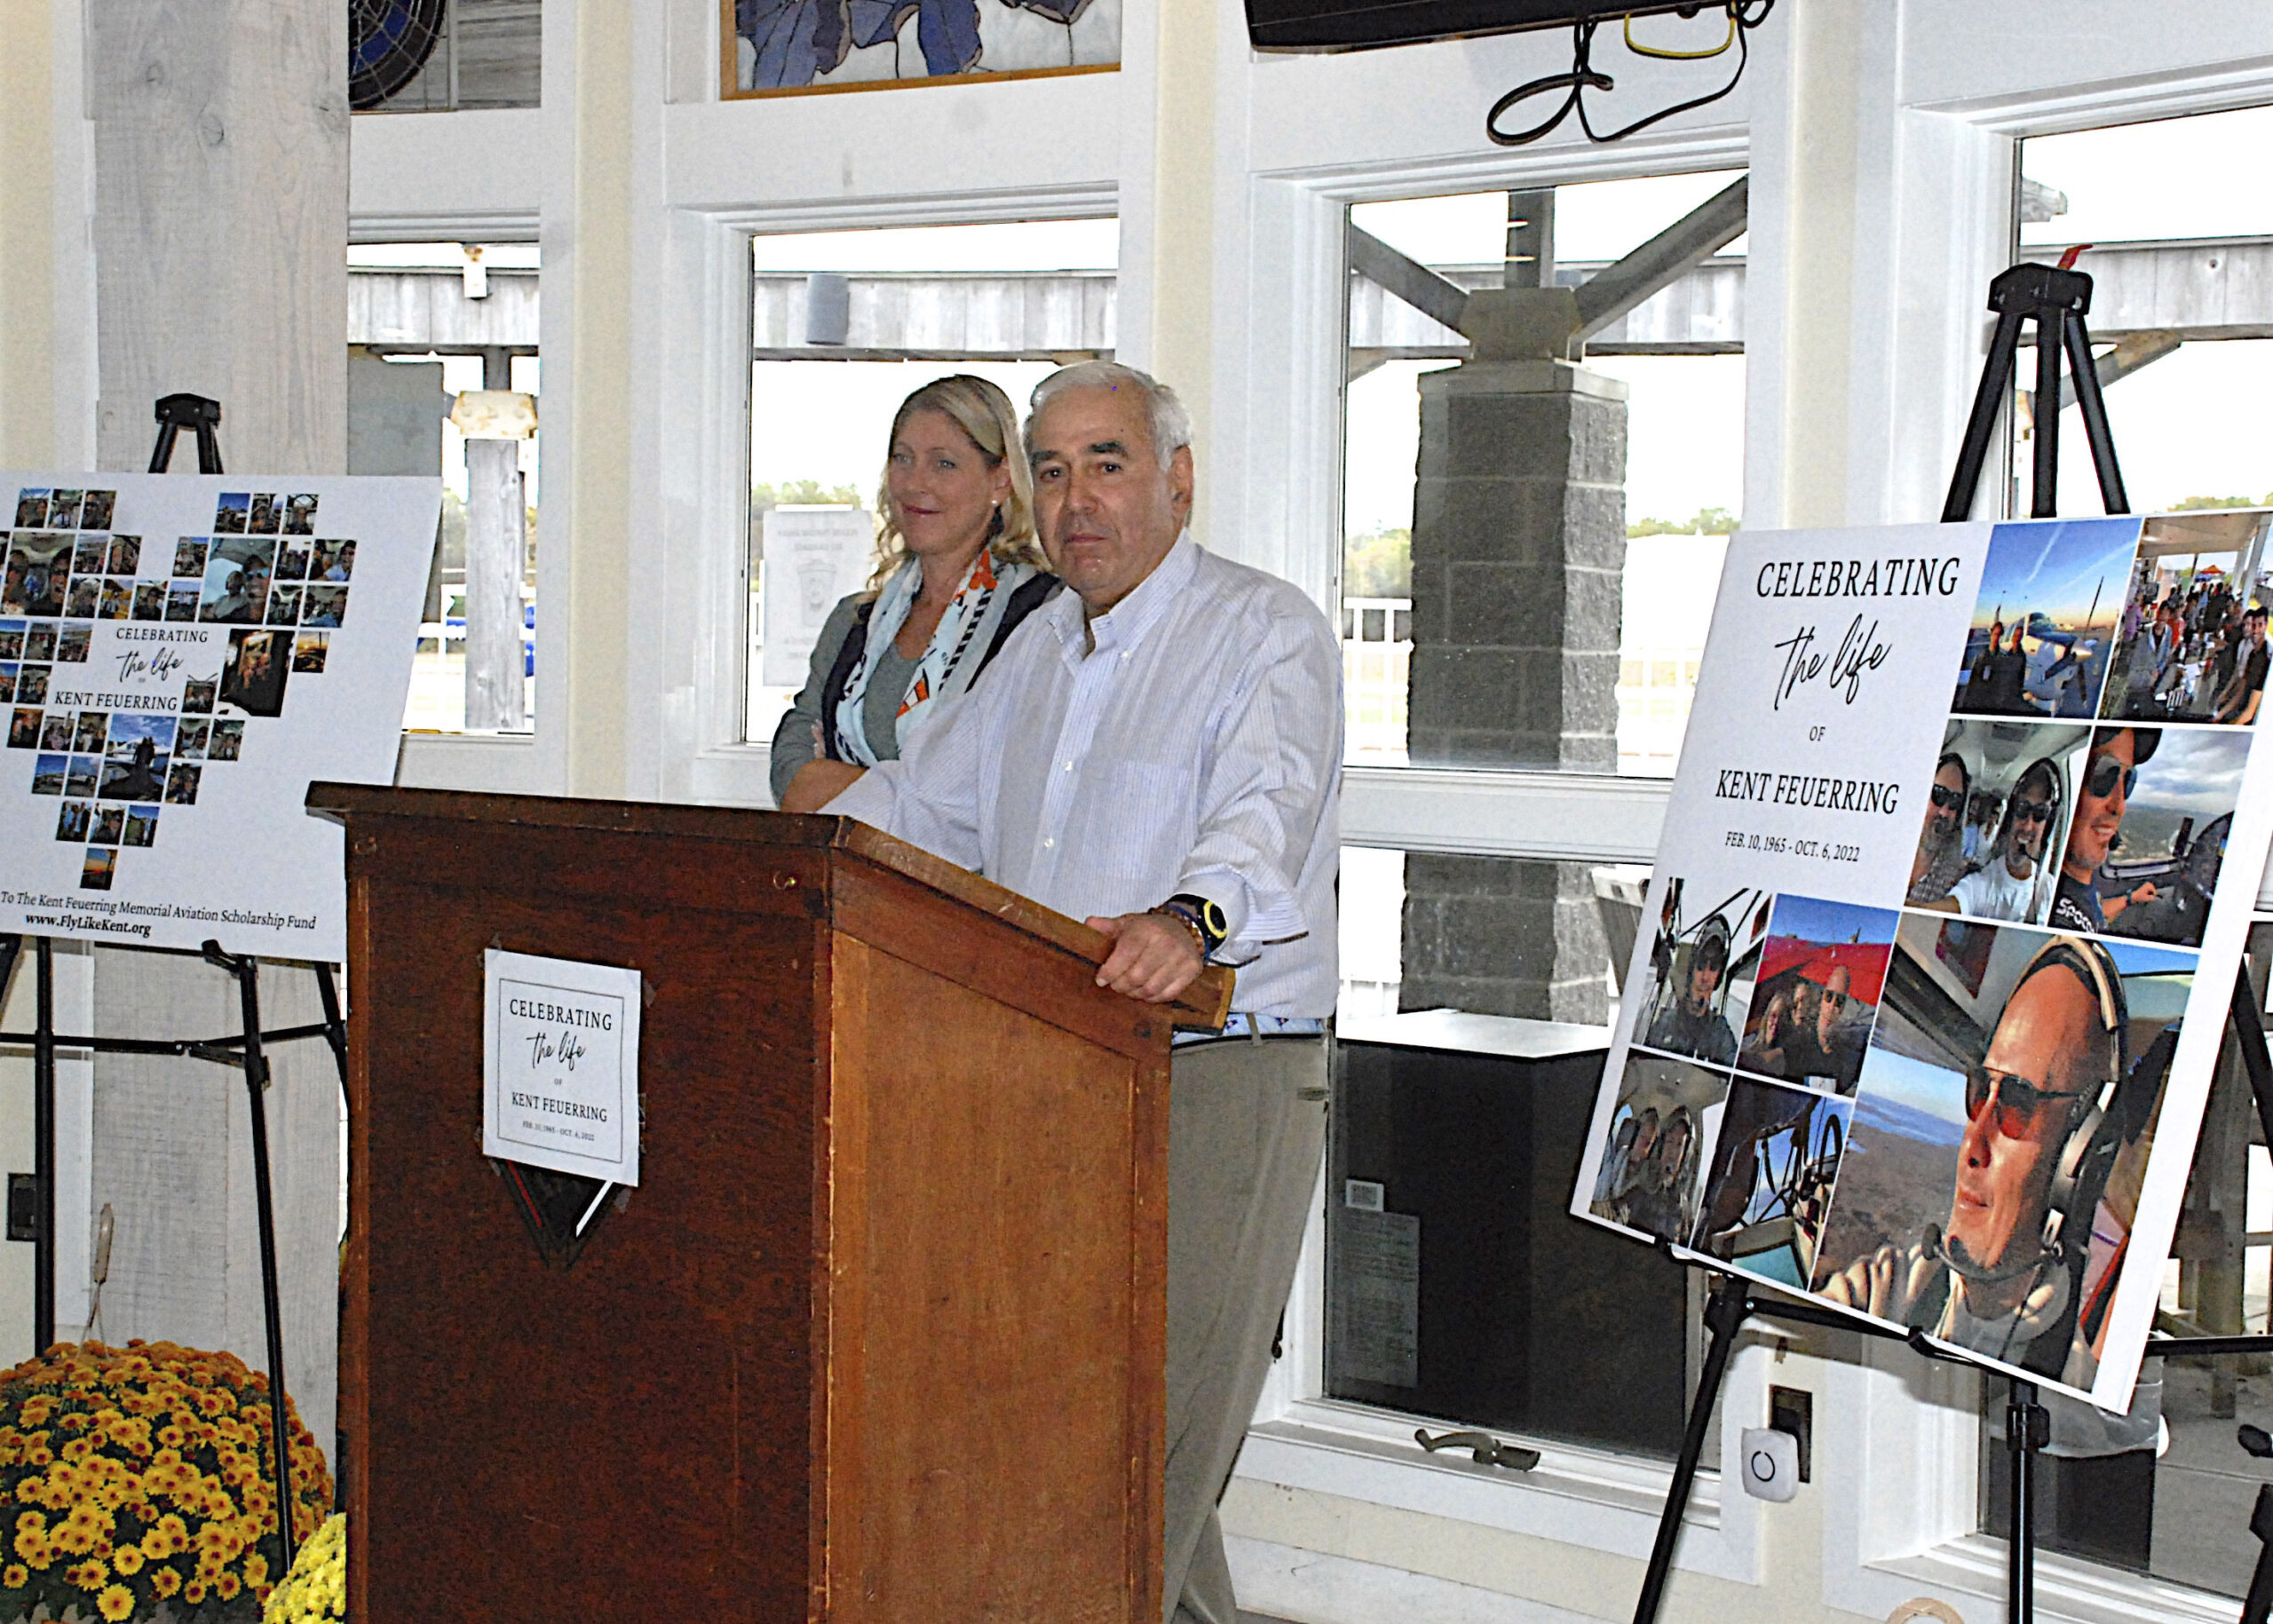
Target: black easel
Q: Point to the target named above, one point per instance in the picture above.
(246, 1049)
(202, 417)
(2055, 298)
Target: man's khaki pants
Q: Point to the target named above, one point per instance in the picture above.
(1246, 1131)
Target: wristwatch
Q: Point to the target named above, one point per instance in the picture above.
(1205, 921)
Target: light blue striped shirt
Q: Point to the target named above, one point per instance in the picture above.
(1196, 749)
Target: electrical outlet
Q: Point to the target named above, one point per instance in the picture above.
(23, 1207)
(1792, 1409)
(1770, 1464)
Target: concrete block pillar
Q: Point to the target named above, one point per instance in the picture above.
(1519, 563)
(1519, 558)
(1502, 936)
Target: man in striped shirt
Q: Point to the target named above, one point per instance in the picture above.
(1159, 750)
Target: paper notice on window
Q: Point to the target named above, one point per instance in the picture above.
(561, 1075)
(1375, 1330)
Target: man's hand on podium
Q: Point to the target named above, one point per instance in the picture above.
(1153, 957)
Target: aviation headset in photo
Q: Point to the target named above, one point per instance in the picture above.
(2118, 1104)
(2116, 1109)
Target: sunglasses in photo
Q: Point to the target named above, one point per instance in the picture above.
(1945, 796)
(2032, 812)
(2023, 1110)
(2101, 777)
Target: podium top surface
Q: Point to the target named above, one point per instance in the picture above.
(1205, 1002)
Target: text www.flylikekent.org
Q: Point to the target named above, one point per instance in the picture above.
(108, 916)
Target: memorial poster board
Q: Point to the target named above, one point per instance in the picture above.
(180, 657)
(1955, 880)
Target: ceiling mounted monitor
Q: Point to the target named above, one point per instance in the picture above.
(1355, 25)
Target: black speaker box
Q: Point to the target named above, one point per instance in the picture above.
(1354, 24)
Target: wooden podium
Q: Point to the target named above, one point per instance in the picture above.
(878, 1337)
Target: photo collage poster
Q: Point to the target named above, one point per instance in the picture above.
(180, 657)
(1941, 937)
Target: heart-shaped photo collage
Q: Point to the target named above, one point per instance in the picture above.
(262, 571)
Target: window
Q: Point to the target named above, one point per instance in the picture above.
(2177, 254)
(477, 54)
(1450, 1249)
(845, 325)
(429, 322)
(2181, 300)
(1555, 551)
(1530, 557)
(2181, 1512)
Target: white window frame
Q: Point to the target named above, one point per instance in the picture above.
(1899, 1437)
(1291, 415)
(407, 183)
(709, 439)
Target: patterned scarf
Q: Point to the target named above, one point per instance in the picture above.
(947, 666)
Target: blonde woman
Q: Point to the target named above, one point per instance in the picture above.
(958, 569)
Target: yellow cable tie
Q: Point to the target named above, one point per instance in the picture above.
(1640, 50)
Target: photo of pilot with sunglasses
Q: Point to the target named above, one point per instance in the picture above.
(2053, 1079)
(2110, 774)
(2005, 883)
(1941, 859)
(2154, 809)
(2017, 778)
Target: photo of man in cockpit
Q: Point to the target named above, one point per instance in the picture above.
(2000, 1137)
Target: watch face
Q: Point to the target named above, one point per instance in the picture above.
(1208, 916)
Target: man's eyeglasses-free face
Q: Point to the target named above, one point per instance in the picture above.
(2023, 1110)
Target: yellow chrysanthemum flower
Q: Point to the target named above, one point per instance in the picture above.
(127, 1560)
(91, 1574)
(115, 1602)
(164, 1580)
(15, 1576)
(194, 1592)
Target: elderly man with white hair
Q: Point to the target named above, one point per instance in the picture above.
(1159, 750)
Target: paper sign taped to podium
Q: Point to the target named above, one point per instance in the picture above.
(560, 1070)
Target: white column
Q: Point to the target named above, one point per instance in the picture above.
(496, 547)
(220, 236)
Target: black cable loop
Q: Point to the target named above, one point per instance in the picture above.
(1583, 76)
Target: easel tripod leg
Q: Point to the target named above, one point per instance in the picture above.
(44, 1147)
(247, 971)
(1996, 377)
(2258, 1606)
(1725, 1317)
(2028, 1428)
(2093, 404)
(2249, 1038)
(334, 1027)
(2044, 497)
